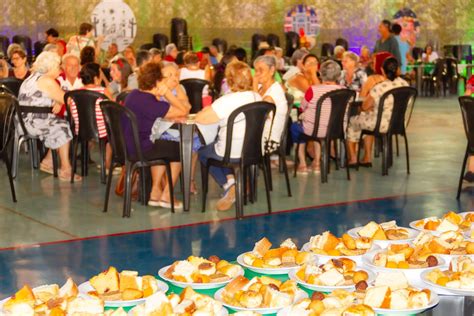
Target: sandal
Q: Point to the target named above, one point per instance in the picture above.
(193, 189)
(46, 168)
(177, 204)
(66, 176)
(316, 170)
(302, 170)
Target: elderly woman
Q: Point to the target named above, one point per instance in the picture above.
(295, 82)
(352, 76)
(120, 70)
(85, 38)
(239, 79)
(171, 52)
(130, 56)
(364, 58)
(367, 118)
(20, 69)
(271, 91)
(153, 99)
(192, 70)
(330, 73)
(39, 90)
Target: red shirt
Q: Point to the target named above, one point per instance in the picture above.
(169, 58)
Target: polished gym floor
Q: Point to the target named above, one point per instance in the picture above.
(58, 229)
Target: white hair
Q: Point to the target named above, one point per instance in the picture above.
(268, 60)
(339, 50)
(46, 61)
(13, 47)
(67, 56)
(169, 48)
(50, 48)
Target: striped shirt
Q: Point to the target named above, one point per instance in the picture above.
(98, 113)
(308, 105)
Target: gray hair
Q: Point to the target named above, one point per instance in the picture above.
(155, 51)
(70, 55)
(13, 47)
(169, 64)
(330, 71)
(298, 54)
(268, 60)
(352, 56)
(46, 61)
(339, 50)
(169, 48)
(50, 48)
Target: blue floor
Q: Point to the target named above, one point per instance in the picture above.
(148, 251)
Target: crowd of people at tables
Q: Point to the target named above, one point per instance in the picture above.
(153, 77)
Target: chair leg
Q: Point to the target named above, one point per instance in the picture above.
(253, 179)
(74, 159)
(205, 185)
(463, 169)
(336, 143)
(239, 187)
(324, 161)
(54, 153)
(385, 154)
(16, 155)
(127, 205)
(10, 177)
(396, 143)
(143, 189)
(296, 159)
(285, 171)
(107, 189)
(170, 184)
(102, 144)
(407, 153)
(34, 153)
(267, 187)
(269, 166)
(347, 161)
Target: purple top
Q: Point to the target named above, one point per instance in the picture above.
(147, 109)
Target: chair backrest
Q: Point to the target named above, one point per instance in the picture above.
(417, 52)
(273, 40)
(13, 84)
(221, 45)
(255, 115)
(327, 50)
(120, 99)
(114, 116)
(403, 98)
(194, 89)
(342, 42)
(4, 43)
(256, 40)
(148, 46)
(160, 40)
(340, 99)
(85, 101)
(290, 100)
(451, 67)
(25, 42)
(467, 110)
(8, 104)
(38, 47)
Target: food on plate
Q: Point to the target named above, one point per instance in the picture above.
(201, 270)
(460, 274)
(259, 292)
(392, 291)
(53, 300)
(330, 245)
(335, 272)
(339, 302)
(447, 243)
(449, 222)
(404, 256)
(246, 313)
(188, 303)
(383, 231)
(111, 285)
(286, 255)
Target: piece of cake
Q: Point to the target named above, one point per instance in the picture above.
(369, 230)
(24, 296)
(331, 278)
(447, 225)
(359, 310)
(128, 280)
(69, 289)
(378, 297)
(395, 280)
(46, 292)
(399, 299)
(288, 243)
(262, 246)
(418, 299)
(107, 281)
(82, 306)
(183, 271)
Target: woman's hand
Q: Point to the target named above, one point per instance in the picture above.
(162, 89)
(57, 108)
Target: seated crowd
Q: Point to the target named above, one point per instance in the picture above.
(153, 81)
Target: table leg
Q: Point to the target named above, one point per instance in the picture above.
(419, 78)
(186, 151)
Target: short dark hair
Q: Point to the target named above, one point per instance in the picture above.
(190, 58)
(387, 23)
(180, 58)
(142, 57)
(390, 67)
(85, 28)
(148, 75)
(205, 50)
(308, 56)
(396, 29)
(240, 54)
(87, 55)
(88, 72)
(52, 32)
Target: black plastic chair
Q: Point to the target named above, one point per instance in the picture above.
(340, 100)
(273, 40)
(221, 45)
(85, 101)
(12, 84)
(194, 89)
(292, 43)
(327, 50)
(403, 97)
(466, 104)
(38, 47)
(7, 113)
(255, 114)
(4, 43)
(120, 99)
(148, 46)
(342, 42)
(25, 42)
(256, 40)
(417, 53)
(114, 114)
(160, 40)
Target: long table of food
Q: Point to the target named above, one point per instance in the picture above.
(379, 268)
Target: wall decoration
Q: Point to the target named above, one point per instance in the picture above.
(303, 19)
(409, 23)
(114, 20)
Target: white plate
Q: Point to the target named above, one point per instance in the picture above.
(326, 288)
(433, 232)
(323, 258)
(445, 289)
(270, 271)
(224, 312)
(413, 275)
(86, 287)
(196, 286)
(264, 311)
(433, 302)
(412, 233)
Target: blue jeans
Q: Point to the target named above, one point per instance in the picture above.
(219, 174)
(296, 130)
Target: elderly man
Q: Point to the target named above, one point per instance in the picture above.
(143, 58)
(387, 42)
(171, 52)
(69, 79)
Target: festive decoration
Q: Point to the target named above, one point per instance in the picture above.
(409, 23)
(114, 20)
(303, 20)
